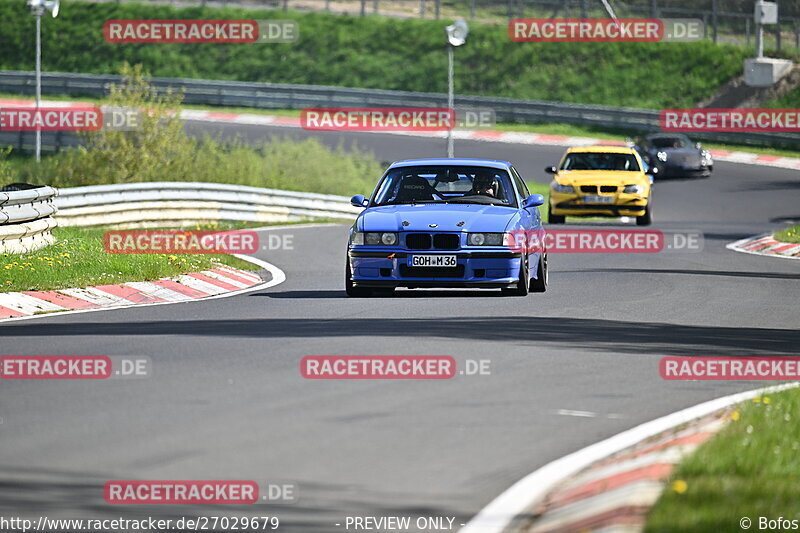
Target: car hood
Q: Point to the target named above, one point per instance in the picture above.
(593, 177)
(475, 217)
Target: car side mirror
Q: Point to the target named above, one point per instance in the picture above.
(534, 200)
(359, 200)
(550, 170)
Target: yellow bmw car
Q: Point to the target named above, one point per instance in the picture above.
(601, 181)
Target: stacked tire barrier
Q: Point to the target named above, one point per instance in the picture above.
(26, 219)
(163, 204)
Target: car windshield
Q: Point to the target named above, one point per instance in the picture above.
(446, 184)
(670, 142)
(600, 161)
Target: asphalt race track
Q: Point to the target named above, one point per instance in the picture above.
(569, 367)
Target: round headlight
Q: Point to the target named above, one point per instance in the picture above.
(388, 238)
(477, 239)
(662, 156)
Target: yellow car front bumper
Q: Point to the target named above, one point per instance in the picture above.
(622, 204)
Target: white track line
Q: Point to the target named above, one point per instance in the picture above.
(514, 502)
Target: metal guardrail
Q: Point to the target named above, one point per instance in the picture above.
(26, 219)
(183, 203)
(291, 96)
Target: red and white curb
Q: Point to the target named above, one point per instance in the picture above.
(766, 245)
(616, 494)
(508, 137)
(216, 282)
(570, 479)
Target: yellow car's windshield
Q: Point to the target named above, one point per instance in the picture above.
(600, 161)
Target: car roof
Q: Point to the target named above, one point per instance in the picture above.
(609, 149)
(491, 163)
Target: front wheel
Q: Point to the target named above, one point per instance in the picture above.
(352, 291)
(647, 218)
(554, 219)
(522, 284)
(542, 276)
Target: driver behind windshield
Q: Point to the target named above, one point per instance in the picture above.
(482, 184)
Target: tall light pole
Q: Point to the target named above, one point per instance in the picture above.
(456, 36)
(38, 8)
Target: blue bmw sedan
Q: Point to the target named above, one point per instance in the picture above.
(446, 223)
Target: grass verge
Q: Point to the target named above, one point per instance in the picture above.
(78, 259)
(749, 469)
(790, 234)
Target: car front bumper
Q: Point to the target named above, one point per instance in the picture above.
(682, 171)
(495, 268)
(572, 204)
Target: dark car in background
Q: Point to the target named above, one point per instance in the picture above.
(675, 156)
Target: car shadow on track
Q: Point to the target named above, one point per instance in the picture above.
(291, 295)
(613, 336)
